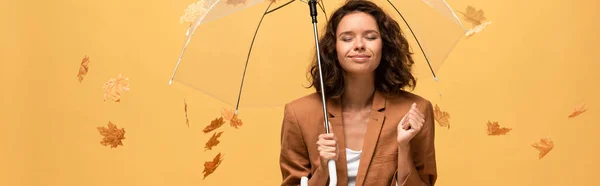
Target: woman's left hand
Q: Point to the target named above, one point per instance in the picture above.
(410, 125)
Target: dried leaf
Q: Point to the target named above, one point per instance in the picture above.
(83, 68)
(211, 166)
(477, 29)
(187, 121)
(114, 86)
(577, 111)
(112, 135)
(227, 114)
(544, 146)
(473, 16)
(236, 2)
(193, 12)
(214, 124)
(213, 141)
(236, 122)
(494, 129)
(443, 118)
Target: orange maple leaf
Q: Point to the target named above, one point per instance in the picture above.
(214, 124)
(577, 111)
(114, 86)
(112, 135)
(236, 2)
(194, 11)
(473, 16)
(443, 118)
(227, 114)
(211, 166)
(83, 68)
(213, 141)
(544, 146)
(494, 129)
(236, 122)
(187, 121)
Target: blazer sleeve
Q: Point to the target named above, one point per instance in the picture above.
(294, 158)
(424, 173)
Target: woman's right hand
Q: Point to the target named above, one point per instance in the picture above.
(327, 146)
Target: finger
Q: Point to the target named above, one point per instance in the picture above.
(416, 116)
(329, 143)
(328, 155)
(415, 111)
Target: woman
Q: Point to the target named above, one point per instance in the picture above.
(381, 134)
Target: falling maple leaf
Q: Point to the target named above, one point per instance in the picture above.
(577, 111)
(83, 68)
(213, 141)
(211, 166)
(114, 86)
(193, 12)
(443, 118)
(214, 124)
(476, 18)
(473, 16)
(227, 114)
(187, 121)
(544, 146)
(494, 129)
(236, 122)
(112, 135)
(236, 2)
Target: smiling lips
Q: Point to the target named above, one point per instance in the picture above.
(359, 57)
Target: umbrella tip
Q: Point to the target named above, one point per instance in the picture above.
(435, 78)
(170, 82)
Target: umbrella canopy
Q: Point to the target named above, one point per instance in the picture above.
(239, 51)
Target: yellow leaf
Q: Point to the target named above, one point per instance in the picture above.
(227, 114)
(211, 166)
(187, 121)
(236, 122)
(443, 118)
(473, 16)
(214, 124)
(112, 135)
(577, 111)
(543, 146)
(494, 129)
(83, 68)
(213, 141)
(236, 2)
(193, 12)
(114, 86)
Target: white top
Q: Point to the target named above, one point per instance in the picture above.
(353, 159)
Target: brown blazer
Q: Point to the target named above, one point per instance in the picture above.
(303, 122)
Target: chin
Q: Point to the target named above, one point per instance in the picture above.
(359, 68)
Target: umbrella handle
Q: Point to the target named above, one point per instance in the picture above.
(332, 171)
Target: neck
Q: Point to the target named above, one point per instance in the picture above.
(358, 92)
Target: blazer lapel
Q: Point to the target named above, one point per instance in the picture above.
(335, 119)
(372, 136)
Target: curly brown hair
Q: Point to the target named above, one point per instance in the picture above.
(394, 71)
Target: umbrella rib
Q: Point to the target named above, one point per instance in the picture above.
(268, 12)
(415, 36)
(248, 57)
(322, 6)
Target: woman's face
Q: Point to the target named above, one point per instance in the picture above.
(358, 43)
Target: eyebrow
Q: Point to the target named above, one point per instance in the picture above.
(349, 32)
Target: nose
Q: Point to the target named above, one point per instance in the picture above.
(359, 45)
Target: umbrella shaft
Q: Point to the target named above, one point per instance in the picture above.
(321, 78)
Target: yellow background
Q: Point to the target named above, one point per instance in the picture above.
(527, 70)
